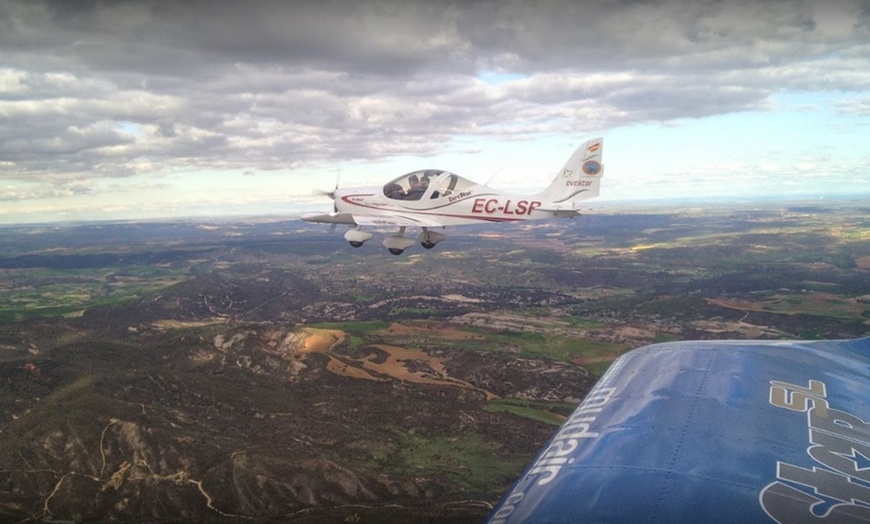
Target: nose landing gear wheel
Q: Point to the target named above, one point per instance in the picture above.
(427, 245)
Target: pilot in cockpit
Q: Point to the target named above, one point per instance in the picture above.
(395, 191)
(417, 187)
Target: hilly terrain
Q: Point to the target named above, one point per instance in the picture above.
(264, 370)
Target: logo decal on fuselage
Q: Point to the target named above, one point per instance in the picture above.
(591, 167)
(458, 196)
(839, 442)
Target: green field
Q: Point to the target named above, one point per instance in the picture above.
(471, 461)
(552, 413)
(48, 293)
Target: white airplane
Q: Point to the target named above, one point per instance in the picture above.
(432, 198)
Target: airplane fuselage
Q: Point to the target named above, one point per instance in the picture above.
(467, 207)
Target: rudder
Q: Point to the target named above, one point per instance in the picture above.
(580, 178)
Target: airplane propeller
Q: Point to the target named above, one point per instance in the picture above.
(331, 195)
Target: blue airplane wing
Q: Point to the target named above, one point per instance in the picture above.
(713, 431)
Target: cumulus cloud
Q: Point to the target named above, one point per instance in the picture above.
(58, 188)
(117, 88)
(859, 106)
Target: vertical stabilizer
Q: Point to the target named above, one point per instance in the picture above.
(580, 179)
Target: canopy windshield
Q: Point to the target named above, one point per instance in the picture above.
(428, 183)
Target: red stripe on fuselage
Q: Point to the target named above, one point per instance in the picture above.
(386, 210)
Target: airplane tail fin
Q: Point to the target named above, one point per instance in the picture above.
(580, 179)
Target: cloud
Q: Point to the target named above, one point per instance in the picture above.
(53, 189)
(120, 89)
(855, 106)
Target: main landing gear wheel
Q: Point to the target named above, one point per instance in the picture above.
(428, 239)
(396, 244)
(355, 243)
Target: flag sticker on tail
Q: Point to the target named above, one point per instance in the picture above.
(594, 147)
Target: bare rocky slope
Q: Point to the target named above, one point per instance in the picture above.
(167, 408)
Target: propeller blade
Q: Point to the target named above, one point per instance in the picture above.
(330, 194)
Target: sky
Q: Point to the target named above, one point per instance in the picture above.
(157, 109)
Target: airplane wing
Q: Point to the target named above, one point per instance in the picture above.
(711, 431)
(395, 220)
(354, 219)
(330, 218)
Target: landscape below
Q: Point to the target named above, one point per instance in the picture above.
(264, 369)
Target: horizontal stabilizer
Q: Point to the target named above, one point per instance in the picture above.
(561, 211)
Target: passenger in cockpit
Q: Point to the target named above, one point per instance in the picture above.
(418, 187)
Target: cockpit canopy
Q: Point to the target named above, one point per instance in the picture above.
(428, 183)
